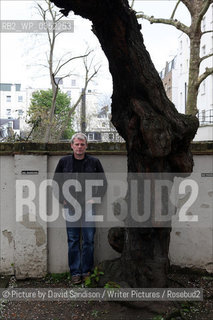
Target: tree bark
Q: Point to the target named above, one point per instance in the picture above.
(191, 104)
(195, 39)
(199, 9)
(157, 136)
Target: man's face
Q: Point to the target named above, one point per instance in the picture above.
(79, 147)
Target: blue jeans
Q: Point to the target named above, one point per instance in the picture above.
(80, 260)
(80, 254)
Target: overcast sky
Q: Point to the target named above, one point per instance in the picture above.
(23, 54)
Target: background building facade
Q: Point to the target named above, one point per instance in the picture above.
(14, 103)
(176, 73)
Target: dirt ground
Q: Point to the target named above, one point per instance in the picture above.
(91, 310)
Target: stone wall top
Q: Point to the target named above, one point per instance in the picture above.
(103, 148)
(60, 148)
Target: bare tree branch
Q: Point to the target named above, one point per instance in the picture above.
(206, 57)
(61, 78)
(203, 76)
(60, 60)
(43, 14)
(176, 6)
(175, 23)
(55, 18)
(132, 5)
(42, 65)
(197, 10)
(208, 31)
(41, 10)
(71, 59)
(87, 80)
(189, 5)
(204, 8)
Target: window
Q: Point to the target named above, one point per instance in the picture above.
(90, 136)
(5, 87)
(73, 82)
(204, 50)
(20, 112)
(181, 98)
(203, 87)
(69, 93)
(204, 24)
(10, 124)
(20, 98)
(8, 98)
(203, 116)
(181, 68)
(169, 85)
(181, 46)
(111, 136)
(102, 115)
(97, 136)
(8, 111)
(94, 136)
(58, 80)
(18, 86)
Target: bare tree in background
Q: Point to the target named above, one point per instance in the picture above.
(56, 69)
(88, 77)
(197, 10)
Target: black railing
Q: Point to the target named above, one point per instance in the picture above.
(205, 116)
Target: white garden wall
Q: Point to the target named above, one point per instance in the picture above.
(33, 248)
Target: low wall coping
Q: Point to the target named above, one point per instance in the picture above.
(98, 148)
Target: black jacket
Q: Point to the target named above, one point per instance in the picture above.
(92, 170)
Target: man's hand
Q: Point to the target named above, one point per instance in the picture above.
(91, 201)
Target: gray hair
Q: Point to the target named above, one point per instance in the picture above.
(80, 136)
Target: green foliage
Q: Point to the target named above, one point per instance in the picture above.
(187, 310)
(112, 284)
(38, 115)
(57, 277)
(95, 313)
(92, 280)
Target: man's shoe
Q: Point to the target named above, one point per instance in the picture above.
(76, 279)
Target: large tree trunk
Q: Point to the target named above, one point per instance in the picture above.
(157, 136)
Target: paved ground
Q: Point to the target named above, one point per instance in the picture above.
(91, 310)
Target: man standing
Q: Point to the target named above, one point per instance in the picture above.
(81, 166)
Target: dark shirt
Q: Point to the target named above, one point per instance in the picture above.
(89, 168)
(78, 165)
